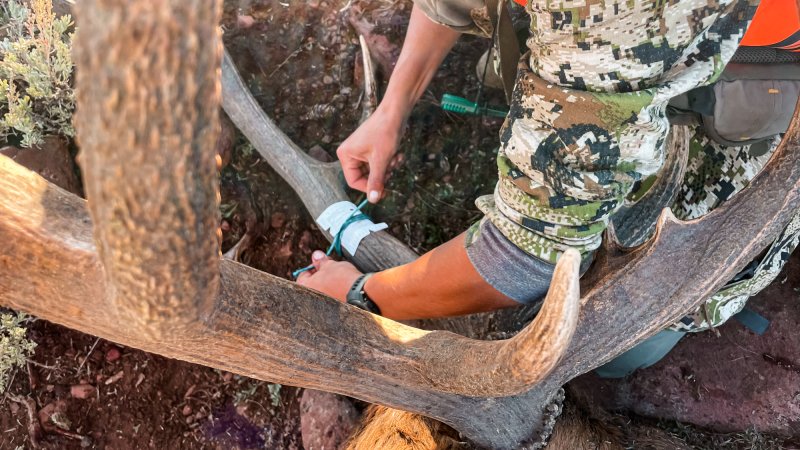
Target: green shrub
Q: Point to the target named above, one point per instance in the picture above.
(36, 94)
(15, 348)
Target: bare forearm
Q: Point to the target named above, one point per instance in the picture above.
(440, 283)
(425, 46)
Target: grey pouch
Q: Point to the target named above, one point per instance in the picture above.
(752, 102)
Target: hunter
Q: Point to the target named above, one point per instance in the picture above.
(587, 126)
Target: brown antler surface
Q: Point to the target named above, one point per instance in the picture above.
(148, 93)
(266, 327)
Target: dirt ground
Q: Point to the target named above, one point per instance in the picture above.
(301, 60)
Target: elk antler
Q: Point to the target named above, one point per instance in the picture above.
(631, 295)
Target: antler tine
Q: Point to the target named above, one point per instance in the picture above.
(370, 101)
(539, 347)
(498, 369)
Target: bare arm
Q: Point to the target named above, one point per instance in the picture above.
(366, 154)
(440, 283)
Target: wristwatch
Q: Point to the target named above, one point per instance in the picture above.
(357, 297)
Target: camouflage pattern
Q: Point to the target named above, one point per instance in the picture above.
(714, 174)
(588, 115)
(588, 120)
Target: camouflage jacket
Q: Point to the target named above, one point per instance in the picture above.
(588, 119)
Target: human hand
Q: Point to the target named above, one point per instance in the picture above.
(368, 153)
(333, 278)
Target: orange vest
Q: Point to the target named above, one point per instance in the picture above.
(776, 24)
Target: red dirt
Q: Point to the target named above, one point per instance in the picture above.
(731, 382)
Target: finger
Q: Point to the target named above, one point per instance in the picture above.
(305, 277)
(354, 168)
(378, 164)
(354, 174)
(317, 258)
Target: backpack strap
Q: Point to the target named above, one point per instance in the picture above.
(506, 43)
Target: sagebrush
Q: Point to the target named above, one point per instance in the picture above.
(36, 94)
(15, 348)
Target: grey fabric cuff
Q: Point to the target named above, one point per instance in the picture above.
(516, 274)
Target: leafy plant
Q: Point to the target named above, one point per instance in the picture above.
(274, 393)
(36, 94)
(15, 348)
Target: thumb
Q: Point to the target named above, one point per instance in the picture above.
(377, 177)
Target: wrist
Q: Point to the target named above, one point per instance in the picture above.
(395, 110)
(373, 289)
(358, 297)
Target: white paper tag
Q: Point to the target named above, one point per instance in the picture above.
(335, 215)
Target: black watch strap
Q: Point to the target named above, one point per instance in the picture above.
(357, 297)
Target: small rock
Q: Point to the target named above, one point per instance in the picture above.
(241, 410)
(305, 242)
(245, 21)
(318, 153)
(187, 409)
(113, 354)
(326, 420)
(327, 79)
(327, 139)
(51, 160)
(45, 413)
(82, 391)
(53, 415)
(118, 376)
(277, 220)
